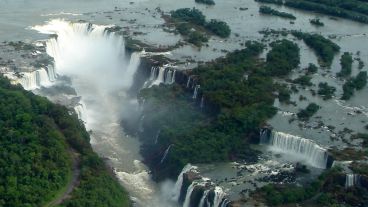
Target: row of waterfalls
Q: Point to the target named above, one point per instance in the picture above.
(158, 75)
(34, 79)
(296, 147)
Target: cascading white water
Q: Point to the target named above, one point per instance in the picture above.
(204, 199)
(189, 81)
(30, 80)
(179, 181)
(101, 74)
(352, 180)
(165, 153)
(160, 75)
(225, 203)
(157, 135)
(79, 109)
(202, 103)
(51, 73)
(195, 92)
(263, 136)
(219, 198)
(300, 148)
(189, 193)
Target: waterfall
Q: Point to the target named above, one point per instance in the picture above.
(352, 180)
(225, 203)
(263, 136)
(219, 196)
(165, 154)
(160, 75)
(188, 82)
(173, 77)
(189, 193)
(202, 102)
(101, 53)
(156, 137)
(195, 93)
(79, 109)
(213, 195)
(99, 70)
(33, 80)
(140, 126)
(134, 62)
(51, 73)
(299, 147)
(179, 182)
(153, 73)
(203, 199)
(168, 77)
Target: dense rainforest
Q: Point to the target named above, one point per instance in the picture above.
(39, 142)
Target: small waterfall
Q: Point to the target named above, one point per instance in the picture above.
(188, 82)
(204, 199)
(173, 77)
(79, 109)
(179, 182)
(157, 135)
(160, 75)
(195, 93)
(211, 194)
(134, 62)
(140, 127)
(165, 154)
(264, 136)
(153, 73)
(352, 180)
(51, 73)
(299, 147)
(32, 80)
(189, 193)
(225, 203)
(202, 102)
(219, 196)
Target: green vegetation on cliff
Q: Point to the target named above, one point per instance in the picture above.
(37, 138)
(237, 94)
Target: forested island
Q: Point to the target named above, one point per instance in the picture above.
(192, 24)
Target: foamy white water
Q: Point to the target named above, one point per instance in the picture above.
(101, 74)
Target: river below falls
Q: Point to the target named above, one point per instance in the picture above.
(104, 105)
